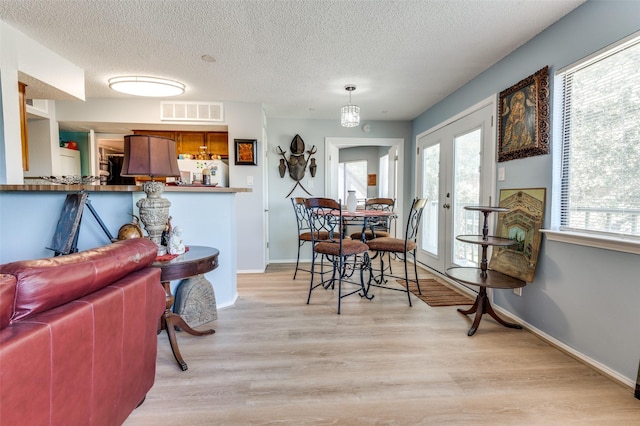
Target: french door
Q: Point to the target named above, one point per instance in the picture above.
(455, 168)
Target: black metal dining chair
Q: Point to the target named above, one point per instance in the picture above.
(304, 230)
(380, 227)
(402, 248)
(347, 256)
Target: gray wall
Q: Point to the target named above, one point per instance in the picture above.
(280, 132)
(585, 298)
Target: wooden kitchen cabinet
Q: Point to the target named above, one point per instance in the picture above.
(190, 142)
(218, 143)
(161, 133)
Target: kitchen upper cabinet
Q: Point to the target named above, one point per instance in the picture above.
(218, 143)
(190, 142)
(161, 133)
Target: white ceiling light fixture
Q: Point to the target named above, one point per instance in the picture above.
(146, 86)
(350, 114)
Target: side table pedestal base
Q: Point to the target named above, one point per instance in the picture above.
(482, 306)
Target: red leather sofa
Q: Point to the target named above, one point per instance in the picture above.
(78, 335)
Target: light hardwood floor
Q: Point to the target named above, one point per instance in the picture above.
(276, 360)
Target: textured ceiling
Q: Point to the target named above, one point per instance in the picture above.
(294, 56)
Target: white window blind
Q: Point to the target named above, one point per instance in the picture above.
(600, 178)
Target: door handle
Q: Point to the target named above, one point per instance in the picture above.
(446, 206)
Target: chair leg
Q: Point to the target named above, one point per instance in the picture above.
(366, 265)
(406, 278)
(313, 269)
(313, 273)
(340, 274)
(382, 279)
(415, 270)
(297, 259)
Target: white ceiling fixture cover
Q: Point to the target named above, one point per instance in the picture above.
(146, 86)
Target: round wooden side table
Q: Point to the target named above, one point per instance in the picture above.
(197, 260)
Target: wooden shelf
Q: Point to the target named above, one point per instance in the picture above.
(490, 278)
(483, 276)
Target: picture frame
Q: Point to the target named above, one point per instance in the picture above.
(371, 179)
(246, 152)
(522, 223)
(523, 124)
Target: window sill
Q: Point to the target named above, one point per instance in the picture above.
(596, 241)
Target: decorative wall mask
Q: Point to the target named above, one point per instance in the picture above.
(297, 162)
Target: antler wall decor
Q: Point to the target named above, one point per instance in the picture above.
(297, 162)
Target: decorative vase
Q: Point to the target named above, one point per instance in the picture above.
(351, 201)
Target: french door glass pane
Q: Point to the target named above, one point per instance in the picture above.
(466, 192)
(430, 191)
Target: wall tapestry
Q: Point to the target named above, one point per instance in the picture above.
(523, 127)
(522, 223)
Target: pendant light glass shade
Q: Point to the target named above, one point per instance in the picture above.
(146, 86)
(350, 114)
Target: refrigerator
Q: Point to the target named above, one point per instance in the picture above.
(219, 171)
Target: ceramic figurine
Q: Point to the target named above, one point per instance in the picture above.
(176, 246)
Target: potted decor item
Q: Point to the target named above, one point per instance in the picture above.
(351, 201)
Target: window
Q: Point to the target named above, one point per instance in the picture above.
(352, 176)
(600, 162)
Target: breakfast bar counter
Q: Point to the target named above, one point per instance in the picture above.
(207, 215)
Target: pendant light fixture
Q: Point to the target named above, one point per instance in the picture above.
(350, 114)
(146, 86)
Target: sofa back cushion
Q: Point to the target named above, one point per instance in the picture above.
(44, 284)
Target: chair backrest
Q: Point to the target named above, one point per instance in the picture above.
(302, 217)
(382, 204)
(325, 217)
(413, 221)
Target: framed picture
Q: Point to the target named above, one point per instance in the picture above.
(246, 152)
(522, 223)
(371, 180)
(523, 127)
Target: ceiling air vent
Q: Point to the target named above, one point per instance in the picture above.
(191, 111)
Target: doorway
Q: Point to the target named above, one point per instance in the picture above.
(455, 168)
(395, 166)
